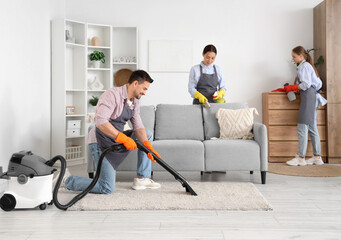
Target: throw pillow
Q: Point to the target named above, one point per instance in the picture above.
(236, 124)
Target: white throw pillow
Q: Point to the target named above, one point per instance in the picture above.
(236, 124)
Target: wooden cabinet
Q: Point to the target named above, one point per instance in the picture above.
(327, 38)
(280, 117)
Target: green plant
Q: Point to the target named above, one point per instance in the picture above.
(97, 56)
(93, 101)
(320, 60)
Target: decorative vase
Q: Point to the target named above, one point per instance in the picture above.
(96, 64)
(95, 41)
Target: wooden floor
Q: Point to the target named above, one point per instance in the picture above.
(304, 208)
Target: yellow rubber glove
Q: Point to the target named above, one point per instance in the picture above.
(200, 97)
(220, 95)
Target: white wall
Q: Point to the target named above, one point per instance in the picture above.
(25, 87)
(254, 39)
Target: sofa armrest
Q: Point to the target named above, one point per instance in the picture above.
(261, 137)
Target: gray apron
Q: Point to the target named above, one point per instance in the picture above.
(307, 106)
(104, 141)
(207, 85)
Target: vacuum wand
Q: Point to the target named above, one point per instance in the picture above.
(176, 175)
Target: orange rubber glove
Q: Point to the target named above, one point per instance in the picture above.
(278, 90)
(128, 142)
(290, 88)
(148, 145)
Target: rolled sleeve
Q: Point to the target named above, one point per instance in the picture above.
(105, 107)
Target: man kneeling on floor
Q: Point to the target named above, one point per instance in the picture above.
(115, 107)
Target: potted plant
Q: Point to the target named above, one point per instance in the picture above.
(97, 57)
(93, 101)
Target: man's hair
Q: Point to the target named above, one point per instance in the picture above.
(140, 76)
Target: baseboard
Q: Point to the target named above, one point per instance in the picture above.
(334, 159)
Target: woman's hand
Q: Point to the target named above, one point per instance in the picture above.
(200, 97)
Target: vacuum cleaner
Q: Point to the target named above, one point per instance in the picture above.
(30, 180)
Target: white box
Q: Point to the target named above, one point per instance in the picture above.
(73, 132)
(72, 124)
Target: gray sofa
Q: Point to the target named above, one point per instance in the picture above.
(182, 136)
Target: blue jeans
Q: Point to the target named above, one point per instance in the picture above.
(302, 130)
(107, 178)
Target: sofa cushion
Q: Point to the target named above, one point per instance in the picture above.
(181, 155)
(147, 114)
(211, 125)
(178, 122)
(232, 154)
(236, 123)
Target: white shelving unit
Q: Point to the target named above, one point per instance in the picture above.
(73, 77)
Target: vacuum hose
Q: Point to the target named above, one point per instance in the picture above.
(62, 172)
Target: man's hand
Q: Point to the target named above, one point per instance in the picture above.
(128, 142)
(290, 88)
(200, 97)
(148, 145)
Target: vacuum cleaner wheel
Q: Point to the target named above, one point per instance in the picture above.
(7, 202)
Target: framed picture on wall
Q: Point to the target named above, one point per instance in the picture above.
(70, 110)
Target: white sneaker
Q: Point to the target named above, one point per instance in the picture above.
(62, 184)
(315, 160)
(297, 161)
(140, 184)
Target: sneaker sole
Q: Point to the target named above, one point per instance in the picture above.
(296, 164)
(317, 164)
(143, 187)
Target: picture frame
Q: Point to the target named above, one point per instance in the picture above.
(71, 110)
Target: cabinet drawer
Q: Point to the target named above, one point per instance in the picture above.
(290, 117)
(281, 101)
(283, 133)
(73, 132)
(72, 124)
(283, 149)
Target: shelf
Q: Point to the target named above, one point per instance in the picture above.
(75, 90)
(99, 69)
(76, 115)
(100, 47)
(80, 136)
(124, 63)
(96, 90)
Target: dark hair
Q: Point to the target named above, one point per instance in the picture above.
(301, 51)
(209, 48)
(140, 76)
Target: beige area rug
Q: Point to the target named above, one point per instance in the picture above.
(172, 196)
(324, 170)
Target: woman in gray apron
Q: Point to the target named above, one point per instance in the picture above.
(308, 86)
(206, 81)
